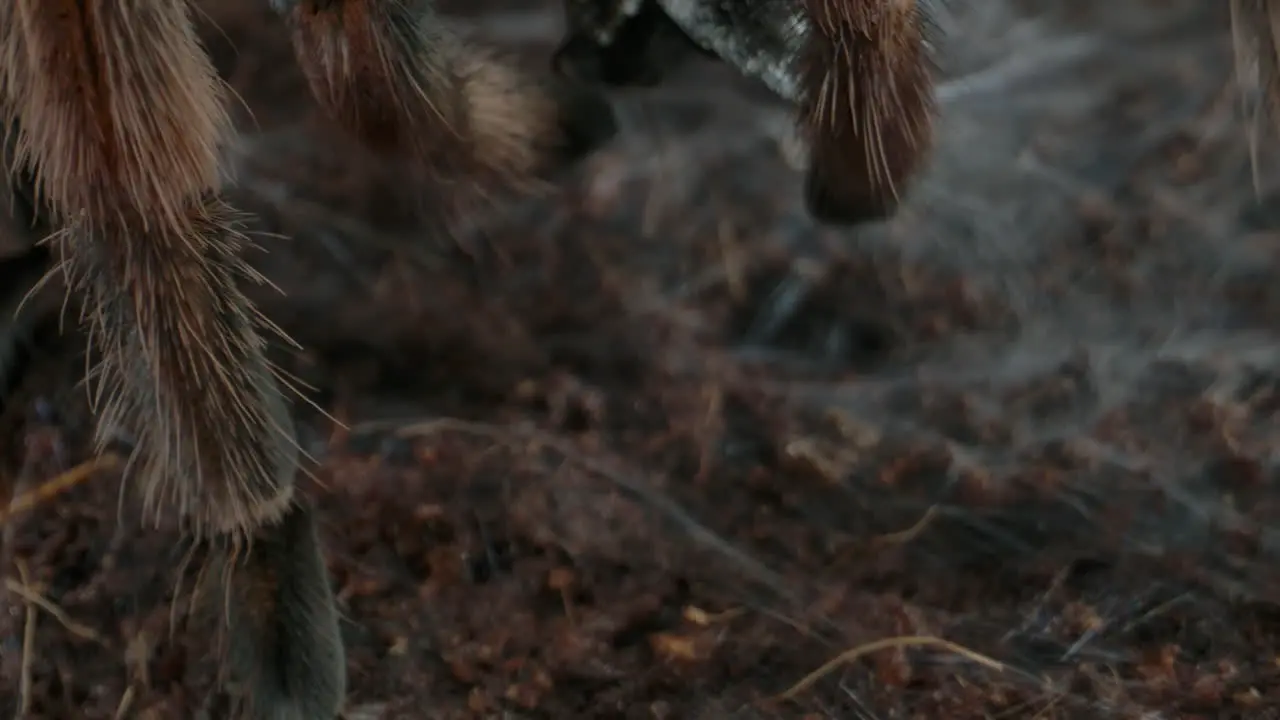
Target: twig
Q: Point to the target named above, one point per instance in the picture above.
(126, 702)
(28, 642)
(28, 500)
(852, 654)
(905, 536)
(35, 599)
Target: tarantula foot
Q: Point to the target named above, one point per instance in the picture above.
(284, 646)
(867, 107)
(833, 202)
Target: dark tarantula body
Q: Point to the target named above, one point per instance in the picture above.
(114, 122)
(631, 42)
(857, 70)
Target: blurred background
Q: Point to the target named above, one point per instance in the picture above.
(655, 446)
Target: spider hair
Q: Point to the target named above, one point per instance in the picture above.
(114, 123)
(859, 74)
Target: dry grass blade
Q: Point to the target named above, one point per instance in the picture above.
(126, 703)
(36, 600)
(852, 654)
(28, 641)
(46, 491)
(905, 536)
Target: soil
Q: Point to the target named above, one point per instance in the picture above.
(653, 445)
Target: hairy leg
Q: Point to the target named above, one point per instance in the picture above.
(274, 588)
(1256, 32)
(858, 70)
(866, 105)
(119, 115)
(395, 76)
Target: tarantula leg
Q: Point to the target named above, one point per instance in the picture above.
(1255, 28)
(395, 76)
(282, 621)
(119, 116)
(121, 130)
(620, 43)
(867, 106)
(183, 368)
(859, 72)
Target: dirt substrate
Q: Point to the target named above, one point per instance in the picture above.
(654, 446)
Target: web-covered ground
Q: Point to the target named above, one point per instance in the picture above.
(654, 446)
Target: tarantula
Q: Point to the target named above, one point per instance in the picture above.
(113, 119)
(858, 71)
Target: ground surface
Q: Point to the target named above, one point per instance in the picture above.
(656, 447)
